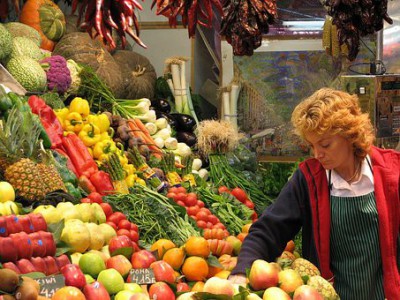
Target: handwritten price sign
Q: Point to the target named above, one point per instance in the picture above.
(142, 276)
(50, 284)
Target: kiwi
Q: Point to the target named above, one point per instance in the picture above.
(26, 291)
(9, 280)
(8, 297)
(31, 281)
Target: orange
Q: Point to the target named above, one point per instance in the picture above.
(161, 246)
(198, 286)
(213, 270)
(68, 293)
(174, 257)
(197, 246)
(224, 274)
(245, 228)
(195, 268)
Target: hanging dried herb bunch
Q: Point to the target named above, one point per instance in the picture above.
(217, 136)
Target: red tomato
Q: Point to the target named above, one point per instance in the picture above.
(173, 189)
(171, 195)
(201, 224)
(219, 225)
(180, 197)
(202, 215)
(223, 189)
(107, 209)
(180, 203)
(209, 225)
(86, 200)
(191, 200)
(134, 236)
(206, 210)
(194, 217)
(95, 197)
(181, 189)
(193, 210)
(124, 232)
(116, 217)
(200, 203)
(113, 225)
(239, 194)
(124, 224)
(213, 219)
(134, 227)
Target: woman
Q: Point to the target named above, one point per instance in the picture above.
(346, 200)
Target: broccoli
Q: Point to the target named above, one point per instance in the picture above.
(58, 74)
(53, 100)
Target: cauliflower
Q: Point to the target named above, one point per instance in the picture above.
(74, 69)
(57, 72)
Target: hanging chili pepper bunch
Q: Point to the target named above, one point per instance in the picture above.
(103, 16)
(193, 12)
(355, 19)
(244, 22)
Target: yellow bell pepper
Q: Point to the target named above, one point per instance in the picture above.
(130, 169)
(104, 147)
(130, 180)
(140, 181)
(123, 159)
(90, 135)
(100, 121)
(73, 122)
(61, 114)
(80, 106)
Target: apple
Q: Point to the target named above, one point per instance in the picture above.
(95, 291)
(163, 271)
(112, 280)
(119, 263)
(39, 264)
(253, 296)
(73, 276)
(48, 240)
(11, 266)
(289, 280)
(12, 224)
(120, 245)
(25, 266)
(89, 279)
(102, 254)
(7, 250)
(139, 296)
(24, 245)
(216, 285)
(275, 293)
(133, 287)
(26, 223)
(306, 292)
(62, 260)
(161, 290)
(51, 265)
(123, 295)
(182, 287)
(107, 209)
(38, 222)
(142, 259)
(75, 257)
(3, 227)
(263, 275)
(235, 242)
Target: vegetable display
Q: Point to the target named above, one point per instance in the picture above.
(103, 16)
(244, 22)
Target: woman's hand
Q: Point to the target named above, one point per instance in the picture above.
(238, 279)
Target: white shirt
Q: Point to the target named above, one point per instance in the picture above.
(364, 185)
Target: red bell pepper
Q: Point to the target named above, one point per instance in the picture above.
(36, 103)
(79, 155)
(85, 183)
(102, 181)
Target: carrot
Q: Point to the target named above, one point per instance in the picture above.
(141, 134)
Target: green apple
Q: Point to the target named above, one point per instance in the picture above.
(133, 287)
(89, 279)
(92, 264)
(123, 295)
(112, 280)
(75, 257)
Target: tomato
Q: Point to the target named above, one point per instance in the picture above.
(173, 189)
(95, 197)
(219, 225)
(134, 236)
(206, 210)
(201, 224)
(171, 195)
(200, 203)
(223, 189)
(124, 224)
(191, 200)
(202, 215)
(213, 219)
(193, 210)
(180, 197)
(116, 217)
(107, 209)
(134, 227)
(181, 189)
(180, 203)
(86, 200)
(209, 225)
(125, 232)
(239, 194)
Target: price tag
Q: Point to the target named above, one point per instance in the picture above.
(50, 284)
(142, 276)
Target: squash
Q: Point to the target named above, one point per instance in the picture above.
(138, 74)
(82, 49)
(47, 18)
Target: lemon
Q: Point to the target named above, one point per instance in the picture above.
(11, 208)
(76, 235)
(96, 236)
(49, 213)
(7, 192)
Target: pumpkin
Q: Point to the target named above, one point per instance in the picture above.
(138, 74)
(47, 18)
(81, 48)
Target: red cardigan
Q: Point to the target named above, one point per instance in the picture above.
(386, 170)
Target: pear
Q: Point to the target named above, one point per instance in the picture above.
(96, 236)
(68, 211)
(107, 231)
(98, 214)
(85, 210)
(49, 213)
(76, 235)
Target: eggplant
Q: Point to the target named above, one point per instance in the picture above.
(189, 138)
(171, 120)
(185, 122)
(161, 105)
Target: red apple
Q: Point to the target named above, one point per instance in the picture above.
(95, 291)
(48, 241)
(73, 276)
(3, 227)
(275, 293)
(142, 259)
(216, 285)
(51, 265)
(26, 223)
(119, 263)
(182, 287)
(38, 222)
(163, 271)
(39, 264)
(120, 245)
(25, 266)
(306, 292)
(38, 247)
(62, 260)
(13, 225)
(11, 266)
(139, 296)
(162, 291)
(107, 209)
(7, 250)
(23, 244)
(289, 280)
(263, 275)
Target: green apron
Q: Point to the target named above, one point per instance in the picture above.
(355, 255)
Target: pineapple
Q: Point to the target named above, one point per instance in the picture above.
(19, 147)
(305, 267)
(323, 287)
